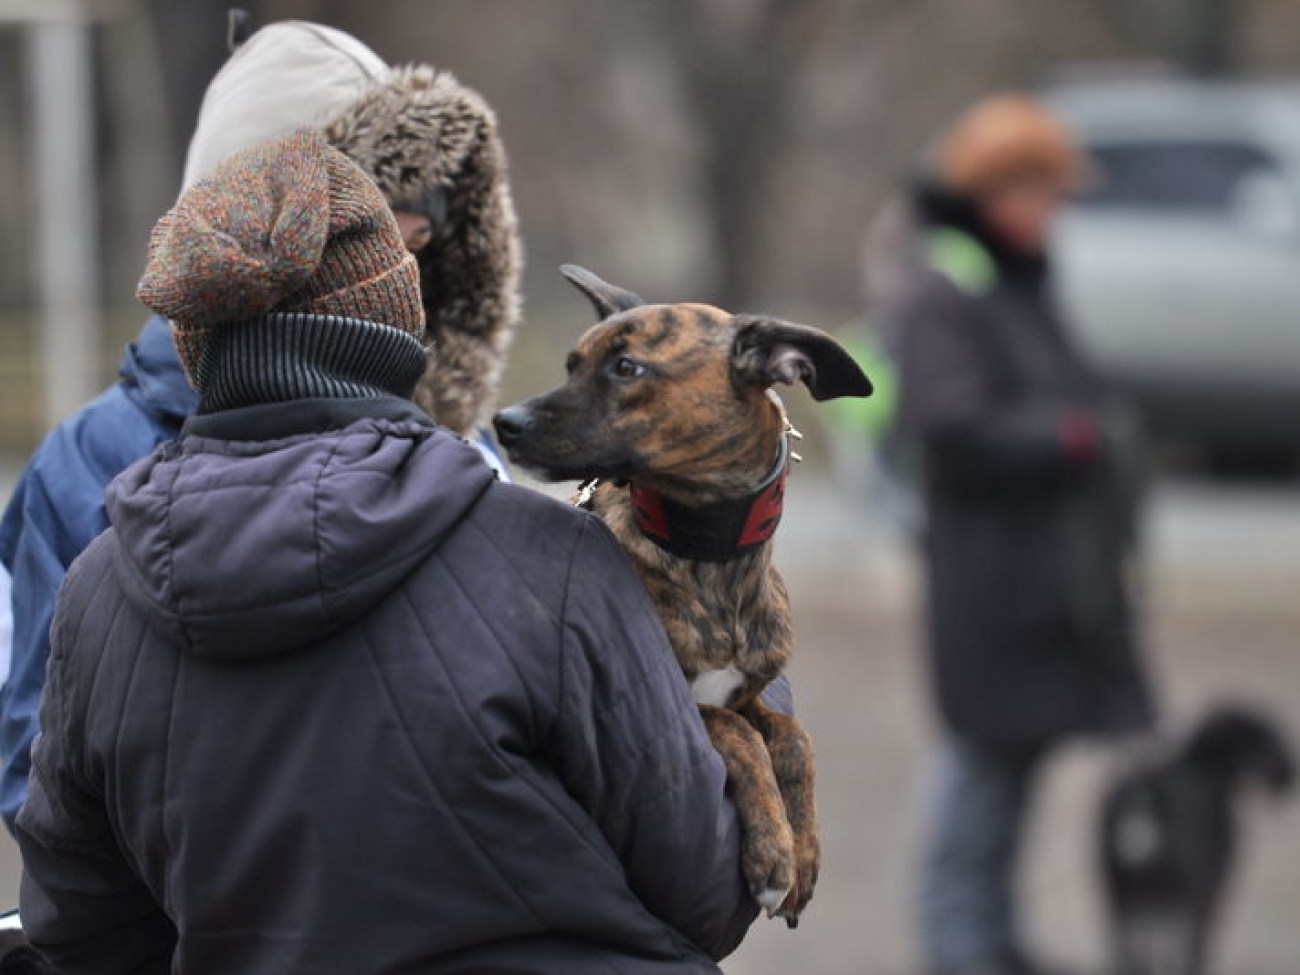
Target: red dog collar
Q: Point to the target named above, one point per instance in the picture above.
(719, 531)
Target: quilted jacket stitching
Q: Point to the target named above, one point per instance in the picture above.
(430, 778)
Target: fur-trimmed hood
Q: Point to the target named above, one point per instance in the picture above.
(432, 146)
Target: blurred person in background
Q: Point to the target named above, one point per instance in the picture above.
(330, 697)
(1028, 517)
(432, 147)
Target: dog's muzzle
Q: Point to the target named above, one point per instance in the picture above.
(513, 425)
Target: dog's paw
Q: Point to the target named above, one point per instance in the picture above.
(769, 864)
(807, 867)
(791, 906)
(767, 857)
(771, 900)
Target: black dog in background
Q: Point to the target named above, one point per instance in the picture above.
(17, 957)
(25, 960)
(1168, 834)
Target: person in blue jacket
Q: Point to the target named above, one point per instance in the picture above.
(414, 131)
(57, 509)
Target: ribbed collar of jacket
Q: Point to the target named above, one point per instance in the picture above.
(278, 421)
(292, 356)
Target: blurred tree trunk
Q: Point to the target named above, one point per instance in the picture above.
(191, 37)
(740, 74)
(141, 175)
(1205, 35)
(16, 216)
(1201, 37)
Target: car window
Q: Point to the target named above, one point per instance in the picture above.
(1191, 175)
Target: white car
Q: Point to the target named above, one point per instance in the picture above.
(1180, 267)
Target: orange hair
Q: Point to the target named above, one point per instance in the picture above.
(1008, 138)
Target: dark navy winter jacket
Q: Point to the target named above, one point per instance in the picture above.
(328, 697)
(57, 509)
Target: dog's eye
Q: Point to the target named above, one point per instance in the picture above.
(625, 368)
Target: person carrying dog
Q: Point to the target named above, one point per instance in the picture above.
(1027, 519)
(329, 696)
(432, 147)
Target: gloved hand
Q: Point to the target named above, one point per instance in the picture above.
(1081, 436)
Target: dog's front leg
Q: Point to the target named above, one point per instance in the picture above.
(790, 751)
(767, 852)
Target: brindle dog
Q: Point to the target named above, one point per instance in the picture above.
(669, 406)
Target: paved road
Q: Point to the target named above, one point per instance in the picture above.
(1224, 622)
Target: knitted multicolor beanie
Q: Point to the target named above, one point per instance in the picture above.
(286, 226)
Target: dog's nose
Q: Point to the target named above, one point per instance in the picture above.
(512, 424)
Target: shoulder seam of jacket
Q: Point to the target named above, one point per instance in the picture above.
(563, 623)
(430, 778)
(492, 750)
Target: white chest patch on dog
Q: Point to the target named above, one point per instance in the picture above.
(1137, 839)
(716, 686)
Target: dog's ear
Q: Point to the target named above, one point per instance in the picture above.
(768, 350)
(239, 28)
(604, 297)
(1241, 740)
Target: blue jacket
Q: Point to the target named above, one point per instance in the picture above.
(329, 697)
(57, 509)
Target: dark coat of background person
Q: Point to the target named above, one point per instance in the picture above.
(1030, 625)
(502, 770)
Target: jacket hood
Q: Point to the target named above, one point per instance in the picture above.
(152, 371)
(433, 147)
(248, 548)
(284, 77)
